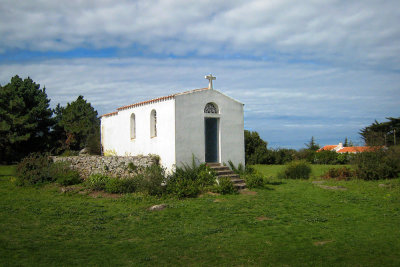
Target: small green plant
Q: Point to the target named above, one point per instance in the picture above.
(298, 169)
(132, 167)
(34, 169)
(151, 180)
(224, 186)
(189, 181)
(240, 169)
(62, 173)
(254, 180)
(97, 181)
(120, 185)
(343, 173)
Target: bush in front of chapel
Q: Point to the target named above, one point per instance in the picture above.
(190, 181)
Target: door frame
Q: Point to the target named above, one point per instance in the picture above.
(217, 117)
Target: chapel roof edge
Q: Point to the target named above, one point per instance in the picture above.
(165, 98)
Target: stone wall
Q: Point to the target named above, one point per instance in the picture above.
(116, 166)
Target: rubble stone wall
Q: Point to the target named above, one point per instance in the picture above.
(115, 166)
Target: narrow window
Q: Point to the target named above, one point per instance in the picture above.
(153, 123)
(211, 108)
(133, 126)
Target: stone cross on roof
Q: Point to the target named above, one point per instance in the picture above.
(210, 78)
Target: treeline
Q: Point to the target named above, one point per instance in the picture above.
(28, 124)
(257, 152)
(382, 134)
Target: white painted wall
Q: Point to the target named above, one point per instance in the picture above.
(116, 132)
(180, 129)
(189, 119)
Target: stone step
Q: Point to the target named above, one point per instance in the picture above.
(237, 181)
(222, 172)
(240, 186)
(231, 175)
(225, 171)
(212, 164)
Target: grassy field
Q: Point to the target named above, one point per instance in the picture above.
(273, 170)
(287, 223)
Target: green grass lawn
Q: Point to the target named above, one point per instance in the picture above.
(291, 222)
(317, 170)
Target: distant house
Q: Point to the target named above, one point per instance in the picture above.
(352, 149)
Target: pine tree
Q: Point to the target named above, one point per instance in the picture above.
(346, 142)
(25, 119)
(80, 124)
(312, 145)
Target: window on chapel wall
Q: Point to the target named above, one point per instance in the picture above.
(211, 108)
(153, 123)
(133, 126)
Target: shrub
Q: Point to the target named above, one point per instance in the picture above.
(97, 181)
(189, 181)
(120, 185)
(240, 169)
(378, 165)
(325, 157)
(254, 180)
(343, 158)
(34, 169)
(182, 187)
(132, 167)
(298, 169)
(343, 173)
(225, 186)
(151, 180)
(63, 174)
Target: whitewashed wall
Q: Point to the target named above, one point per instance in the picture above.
(116, 132)
(190, 138)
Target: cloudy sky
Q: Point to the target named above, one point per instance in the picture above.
(302, 68)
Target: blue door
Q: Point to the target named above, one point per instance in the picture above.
(211, 142)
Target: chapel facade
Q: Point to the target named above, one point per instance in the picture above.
(203, 123)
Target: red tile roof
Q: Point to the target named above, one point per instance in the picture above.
(358, 149)
(327, 148)
(159, 99)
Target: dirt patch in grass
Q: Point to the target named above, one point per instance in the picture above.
(247, 192)
(321, 243)
(263, 218)
(218, 200)
(97, 194)
(318, 182)
(333, 187)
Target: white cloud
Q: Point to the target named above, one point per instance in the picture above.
(338, 31)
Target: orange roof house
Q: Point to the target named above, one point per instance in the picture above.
(359, 149)
(331, 148)
(353, 149)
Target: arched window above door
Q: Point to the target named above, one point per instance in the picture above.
(211, 108)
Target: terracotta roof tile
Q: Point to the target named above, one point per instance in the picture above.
(110, 114)
(327, 148)
(358, 149)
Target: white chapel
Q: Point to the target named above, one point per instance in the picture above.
(203, 123)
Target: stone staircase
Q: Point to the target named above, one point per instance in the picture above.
(224, 171)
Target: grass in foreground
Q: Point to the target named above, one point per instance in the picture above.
(292, 222)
